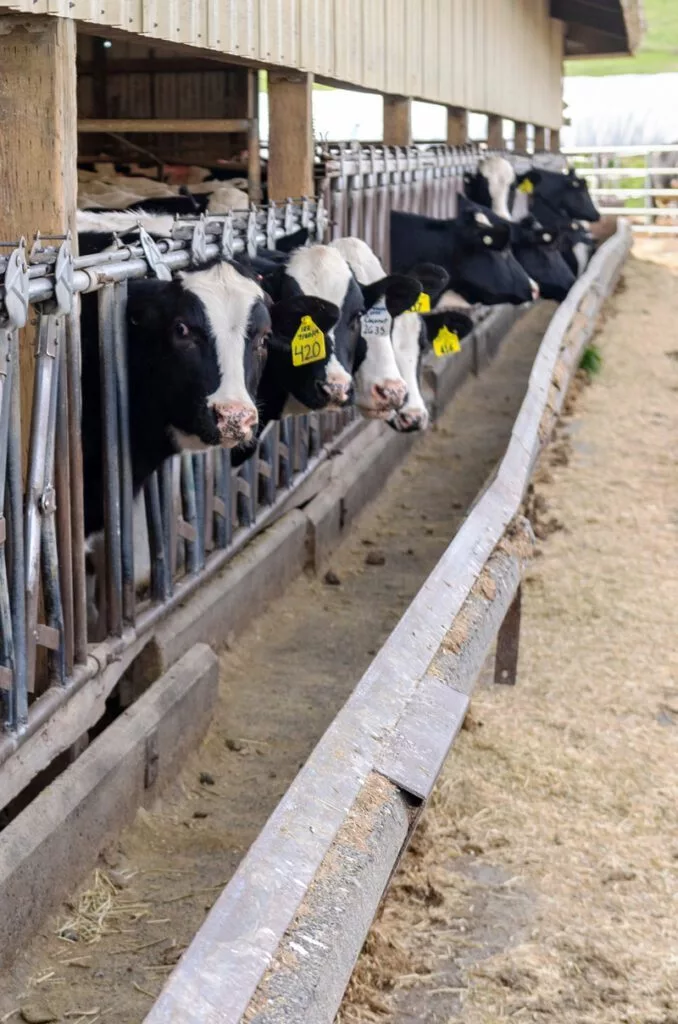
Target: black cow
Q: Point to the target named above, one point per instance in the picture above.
(196, 349)
(559, 201)
(474, 249)
(538, 251)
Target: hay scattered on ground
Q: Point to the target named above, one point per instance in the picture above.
(544, 884)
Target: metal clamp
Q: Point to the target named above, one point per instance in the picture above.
(16, 286)
(305, 214)
(153, 256)
(199, 242)
(251, 233)
(271, 225)
(227, 236)
(63, 277)
(321, 220)
(47, 502)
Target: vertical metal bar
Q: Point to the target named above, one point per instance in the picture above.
(76, 486)
(285, 453)
(165, 481)
(189, 511)
(111, 458)
(246, 492)
(17, 580)
(224, 499)
(49, 554)
(209, 461)
(199, 476)
(508, 643)
(63, 509)
(7, 686)
(160, 574)
(35, 486)
(126, 483)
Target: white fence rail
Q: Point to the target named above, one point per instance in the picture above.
(612, 173)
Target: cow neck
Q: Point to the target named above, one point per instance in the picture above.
(549, 216)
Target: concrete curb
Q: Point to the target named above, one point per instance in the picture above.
(48, 848)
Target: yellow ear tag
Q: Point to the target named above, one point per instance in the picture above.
(422, 305)
(446, 342)
(526, 186)
(308, 344)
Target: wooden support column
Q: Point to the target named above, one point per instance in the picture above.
(520, 138)
(539, 139)
(290, 164)
(457, 126)
(555, 140)
(397, 121)
(38, 142)
(495, 131)
(253, 156)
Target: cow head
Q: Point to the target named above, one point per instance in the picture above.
(564, 193)
(538, 252)
(204, 334)
(491, 185)
(301, 348)
(485, 269)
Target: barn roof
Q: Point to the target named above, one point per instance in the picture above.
(598, 27)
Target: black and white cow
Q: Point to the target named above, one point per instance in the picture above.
(474, 248)
(493, 185)
(196, 349)
(560, 202)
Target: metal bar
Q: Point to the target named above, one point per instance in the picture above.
(110, 457)
(64, 537)
(159, 572)
(45, 373)
(165, 480)
(200, 477)
(76, 486)
(52, 635)
(17, 574)
(7, 678)
(190, 512)
(126, 483)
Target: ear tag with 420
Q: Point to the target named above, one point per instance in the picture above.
(308, 344)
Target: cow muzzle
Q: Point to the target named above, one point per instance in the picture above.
(385, 397)
(337, 390)
(236, 422)
(408, 421)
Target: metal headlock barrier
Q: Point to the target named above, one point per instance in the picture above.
(619, 176)
(280, 943)
(199, 511)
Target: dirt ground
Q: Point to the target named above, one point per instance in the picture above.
(106, 955)
(543, 885)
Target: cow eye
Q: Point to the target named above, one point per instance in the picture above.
(181, 329)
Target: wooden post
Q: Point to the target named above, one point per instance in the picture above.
(290, 149)
(539, 139)
(397, 121)
(495, 131)
(38, 144)
(253, 156)
(520, 137)
(555, 140)
(457, 126)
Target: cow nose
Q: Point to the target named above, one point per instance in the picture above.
(338, 392)
(235, 421)
(412, 419)
(390, 394)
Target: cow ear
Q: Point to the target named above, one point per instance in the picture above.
(287, 315)
(434, 279)
(455, 322)
(401, 293)
(291, 242)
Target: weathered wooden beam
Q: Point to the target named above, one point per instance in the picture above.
(192, 125)
(495, 131)
(555, 140)
(253, 154)
(38, 144)
(457, 126)
(290, 165)
(520, 137)
(539, 139)
(397, 121)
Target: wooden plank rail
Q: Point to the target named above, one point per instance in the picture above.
(216, 125)
(378, 761)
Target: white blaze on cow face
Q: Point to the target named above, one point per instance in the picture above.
(380, 387)
(227, 298)
(320, 270)
(413, 415)
(500, 176)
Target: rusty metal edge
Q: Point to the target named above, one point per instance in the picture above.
(231, 952)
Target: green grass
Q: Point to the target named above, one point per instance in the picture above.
(658, 51)
(591, 361)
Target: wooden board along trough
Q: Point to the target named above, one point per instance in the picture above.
(282, 939)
